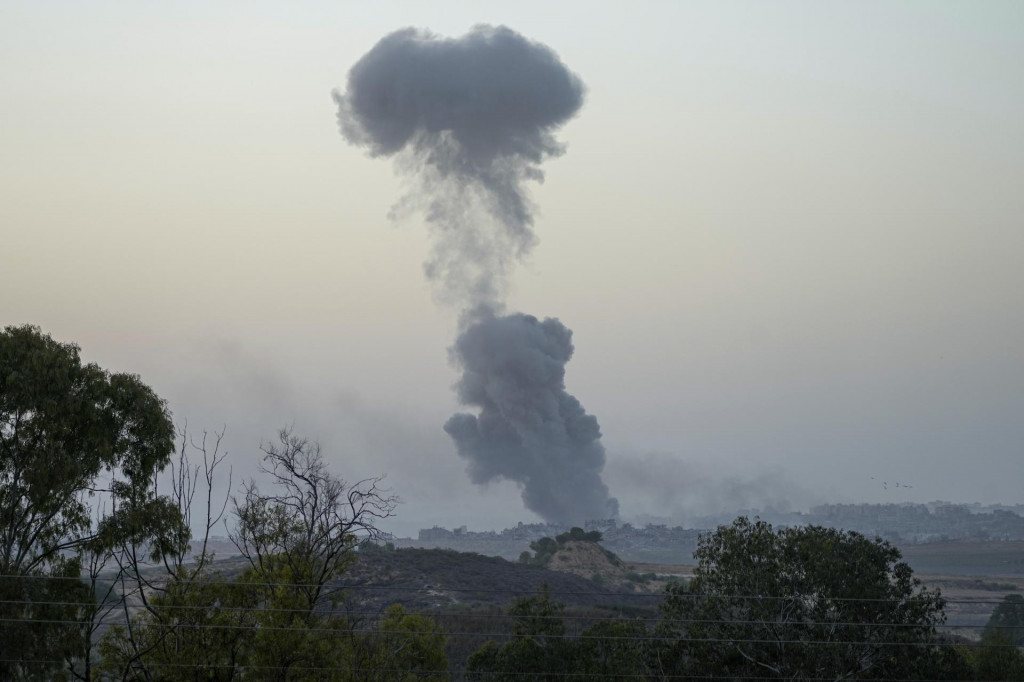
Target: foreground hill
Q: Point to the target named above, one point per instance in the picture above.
(429, 579)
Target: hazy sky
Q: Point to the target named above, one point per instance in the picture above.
(787, 237)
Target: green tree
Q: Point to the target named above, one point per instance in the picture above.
(541, 648)
(199, 627)
(800, 602)
(298, 537)
(544, 549)
(578, 534)
(170, 609)
(615, 648)
(68, 431)
(538, 645)
(407, 647)
(1008, 617)
(996, 657)
(277, 619)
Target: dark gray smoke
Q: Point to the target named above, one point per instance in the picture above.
(529, 430)
(469, 120)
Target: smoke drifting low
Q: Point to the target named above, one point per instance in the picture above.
(529, 430)
(693, 494)
(468, 121)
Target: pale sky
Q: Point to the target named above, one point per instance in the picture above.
(787, 237)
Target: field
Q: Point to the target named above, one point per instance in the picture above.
(967, 557)
(972, 575)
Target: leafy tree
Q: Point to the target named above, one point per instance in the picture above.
(68, 431)
(39, 621)
(201, 626)
(799, 602)
(308, 528)
(408, 647)
(538, 644)
(1008, 617)
(298, 538)
(996, 658)
(162, 588)
(545, 548)
(615, 648)
(277, 619)
(542, 649)
(579, 535)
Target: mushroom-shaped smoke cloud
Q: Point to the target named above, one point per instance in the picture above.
(470, 119)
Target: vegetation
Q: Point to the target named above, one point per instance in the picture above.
(278, 618)
(545, 548)
(122, 591)
(995, 658)
(579, 535)
(794, 603)
(800, 602)
(68, 431)
(541, 649)
(1008, 619)
(71, 431)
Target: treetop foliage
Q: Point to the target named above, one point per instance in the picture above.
(1008, 618)
(70, 431)
(579, 535)
(545, 547)
(63, 424)
(772, 597)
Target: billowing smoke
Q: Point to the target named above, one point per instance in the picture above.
(529, 428)
(468, 122)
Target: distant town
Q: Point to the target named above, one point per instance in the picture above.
(662, 541)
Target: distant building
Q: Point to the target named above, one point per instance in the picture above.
(435, 534)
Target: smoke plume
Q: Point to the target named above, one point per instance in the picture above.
(529, 428)
(468, 121)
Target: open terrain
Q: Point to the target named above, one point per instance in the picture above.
(972, 576)
(469, 591)
(967, 557)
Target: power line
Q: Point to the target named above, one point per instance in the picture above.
(505, 635)
(469, 673)
(331, 587)
(508, 616)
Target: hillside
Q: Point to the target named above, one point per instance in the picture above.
(592, 561)
(429, 579)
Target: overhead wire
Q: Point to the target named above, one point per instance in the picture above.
(335, 587)
(505, 616)
(510, 673)
(580, 636)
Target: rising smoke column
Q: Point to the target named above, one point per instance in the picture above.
(468, 122)
(529, 428)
